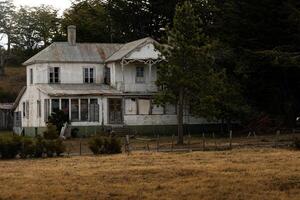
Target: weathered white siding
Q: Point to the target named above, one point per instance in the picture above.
(70, 73)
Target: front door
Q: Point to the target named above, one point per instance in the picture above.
(115, 111)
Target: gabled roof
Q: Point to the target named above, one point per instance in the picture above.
(59, 52)
(128, 48)
(62, 52)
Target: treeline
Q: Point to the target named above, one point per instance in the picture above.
(256, 44)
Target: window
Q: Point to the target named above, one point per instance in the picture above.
(65, 107)
(46, 109)
(144, 106)
(75, 110)
(84, 110)
(54, 75)
(31, 76)
(107, 76)
(94, 110)
(130, 107)
(27, 109)
(140, 78)
(39, 112)
(88, 75)
(54, 105)
(24, 109)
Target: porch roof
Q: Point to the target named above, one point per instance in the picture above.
(61, 90)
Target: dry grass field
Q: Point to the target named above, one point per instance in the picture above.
(237, 174)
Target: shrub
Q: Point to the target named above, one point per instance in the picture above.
(39, 147)
(58, 118)
(10, 146)
(28, 147)
(74, 132)
(59, 147)
(105, 145)
(51, 133)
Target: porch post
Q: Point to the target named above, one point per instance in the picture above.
(150, 75)
(123, 78)
(70, 107)
(79, 109)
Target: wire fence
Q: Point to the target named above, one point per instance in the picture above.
(202, 142)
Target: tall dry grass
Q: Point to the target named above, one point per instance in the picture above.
(238, 174)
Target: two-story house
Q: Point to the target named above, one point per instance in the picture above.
(96, 85)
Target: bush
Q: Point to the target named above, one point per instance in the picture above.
(51, 133)
(28, 147)
(74, 132)
(10, 146)
(105, 145)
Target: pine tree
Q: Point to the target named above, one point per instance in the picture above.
(187, 60)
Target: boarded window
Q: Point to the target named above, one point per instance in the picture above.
(94, 110)
(130, 107)
(46, 109)
(170, 109)
(74, 110)
(157, 110)
(84, 110)
(144, 106)
(39, 108)
(140, 74)
(88, 75)
(65, 107)
(54, 105)
(54, 75)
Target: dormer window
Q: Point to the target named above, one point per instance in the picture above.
(88, 75)
(140, 74)
(54, 75)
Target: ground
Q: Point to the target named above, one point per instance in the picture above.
(260, 173)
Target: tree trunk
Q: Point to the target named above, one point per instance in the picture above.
(180, 116)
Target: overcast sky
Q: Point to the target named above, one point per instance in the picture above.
(58, 4)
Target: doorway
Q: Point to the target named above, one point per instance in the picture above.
(115, 111)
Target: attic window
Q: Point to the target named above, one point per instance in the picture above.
(54, 75)
(88, 75)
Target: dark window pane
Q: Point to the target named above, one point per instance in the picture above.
(55, 105)
(65, 106)
(74, 110)
(84, 109)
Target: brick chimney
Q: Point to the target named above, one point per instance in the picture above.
(72, 35)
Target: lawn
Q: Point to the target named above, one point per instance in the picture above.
(237, 174)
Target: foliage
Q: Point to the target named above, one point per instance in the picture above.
(105, 145)
(297, 143)
(51, 133)
(28, 148)
(9, 146)
(58, 118)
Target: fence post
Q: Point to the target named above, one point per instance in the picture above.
(80, 147)
(203, 141)
(277, 138)
(189, 143)
(230, 139)
(215, 140)
(157, 143)
(127, 147)
(172, 147)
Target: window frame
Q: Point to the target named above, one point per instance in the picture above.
(54, 75)
(89, 75)
(140, 74)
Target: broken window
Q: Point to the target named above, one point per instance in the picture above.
(107, 76)
(54, 75)
(88, 75)
(140, 74)
(157, 110)
(130, 107)
(144, 106)
(54, 105)
(84, 111)
(74, 110)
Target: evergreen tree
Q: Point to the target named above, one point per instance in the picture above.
(188, 60)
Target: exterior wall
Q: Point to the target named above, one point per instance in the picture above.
(70, 73)
(130, 77)
(146, 52)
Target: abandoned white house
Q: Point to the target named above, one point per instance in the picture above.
(97, 86)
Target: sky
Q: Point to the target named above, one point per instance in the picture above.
(61, 5)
